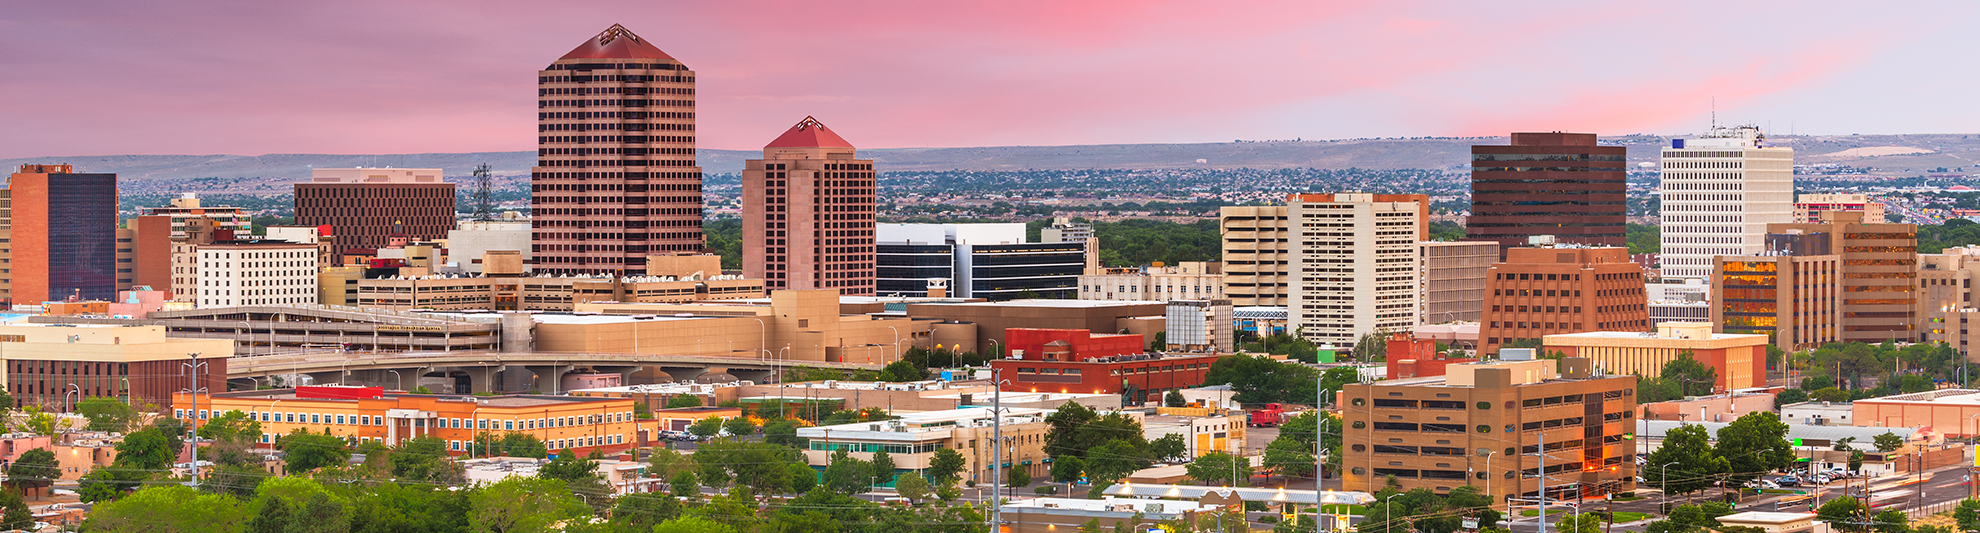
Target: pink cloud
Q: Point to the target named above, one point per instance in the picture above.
(418, 76)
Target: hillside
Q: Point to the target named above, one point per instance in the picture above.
(1898, 153)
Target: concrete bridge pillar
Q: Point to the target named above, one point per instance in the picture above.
(550, 378)
(480, 378)
(515, 378)
(685, 373)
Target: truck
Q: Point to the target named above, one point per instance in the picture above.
(1269, 416)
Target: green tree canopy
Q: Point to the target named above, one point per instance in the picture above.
(1685, 463)
(36, 468)
(305, 451)
(1219, 468)
(1754, 444)
(106, 413)
(1263, 380)
(1692, 377)
(169, 507)
(523, 504)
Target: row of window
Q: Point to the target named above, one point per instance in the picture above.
(438, 423)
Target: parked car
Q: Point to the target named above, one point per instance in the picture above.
(1788, 481)
(1840, 473)
(1762, 484)
(1819, 479)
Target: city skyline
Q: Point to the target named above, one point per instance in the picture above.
(310, 79)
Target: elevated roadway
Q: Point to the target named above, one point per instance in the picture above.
(495, 371)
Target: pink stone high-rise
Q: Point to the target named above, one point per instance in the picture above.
(615, 179)
(808, 213)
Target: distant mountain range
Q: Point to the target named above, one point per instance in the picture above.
(1897, 153)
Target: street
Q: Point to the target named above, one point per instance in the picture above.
(1933, 487)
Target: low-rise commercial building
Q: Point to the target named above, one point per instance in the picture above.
(1740, 359)
(1199, 326)
(1715, 408)
(1202, 434)
(913, 439)
(47, 362)
(1424, 432)
(989, 261)
(1189, 280)
(981, 326)
(1069, 361)
(1808, 209)
(1819, 413)
(364, 414)
(1948, 412)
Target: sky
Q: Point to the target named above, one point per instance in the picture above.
(88, 77)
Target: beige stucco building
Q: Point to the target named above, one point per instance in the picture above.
(794, 326)
(44, 362)
(913, 439)
(1189, 280)
(1739, 358)
(1257, 255)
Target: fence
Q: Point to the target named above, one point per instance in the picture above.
(1931, 509)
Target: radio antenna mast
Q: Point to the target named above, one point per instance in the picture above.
(484, 208)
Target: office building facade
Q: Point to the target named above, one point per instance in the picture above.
(1454, 279)
(615, 179)
(1719, 193)
(1354, 263)
(187, 207)
(1551, 290)
(1490, 421)
(1839, 281)
(61, 229)
(1740, 360)
(989, 261)
(367, 206)
(1808, 208)
(369, 414)
(1257, 255)
(238, 273)
(1189, 280)
(1559, 184)
(808, 213)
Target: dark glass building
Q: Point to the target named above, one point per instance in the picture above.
(62, 235)
(904, 269)
(1559, 184)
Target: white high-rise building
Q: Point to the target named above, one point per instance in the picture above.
(1355, 268)
(1720, 192)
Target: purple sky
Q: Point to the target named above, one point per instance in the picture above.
(99, 78)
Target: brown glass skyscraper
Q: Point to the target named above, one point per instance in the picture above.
(808, 213)
(615, 179)
(1558, 184)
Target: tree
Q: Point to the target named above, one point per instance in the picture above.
(1020, 476)
(175, 508)
(784, 433)
(739, 426)
(274, 517)
(706, 427)
(36, 468)
(848, 475)
(1263, 380)
(145, 450)
(1114, 460)
(640, 512)
(1888, 442)
(684, 484)
(1754, 444)
(1579, 523)
(174, 430)
(305, 451)
(692, 524)
(912, 486)
(1289, 457)
(1220, 468)
(579, 474)
(903, 371)
(1692, 462)
(665, 463)
(1169, 447)
(17, 515)
(40, 422)
(107, 413)
(761, 467)
(1967, 514)
(1068, 469)
(1829, 394)
(232, 426)
(1159, 342)
(1842, 513)
(683, 400)
(947, 464)
(1692, 377)
(883, 465)
(1174, 399)
(516, 444)
(425, 459)
(1887, 521)
(523, 505)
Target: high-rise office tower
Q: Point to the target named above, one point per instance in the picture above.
(808, 213)
(615, 179)
(1841, 280)
(1355, 269)
(1719, 193)
(1257, 255)
(61, 230)
(366, 206)
(1559, 184)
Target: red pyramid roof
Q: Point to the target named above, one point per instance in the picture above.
(809, 133)
(616, 42)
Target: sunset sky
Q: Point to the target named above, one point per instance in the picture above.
(406, 76)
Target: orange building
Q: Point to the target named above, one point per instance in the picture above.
(808, 213)
(62, 233)
(1548, 290)
(364, 414)
(1411, 357)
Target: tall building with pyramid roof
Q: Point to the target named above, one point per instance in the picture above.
(615, 179)
(808, 213)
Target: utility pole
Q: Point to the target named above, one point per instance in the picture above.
(1319, 448)
(996, 449)
(1541, 449)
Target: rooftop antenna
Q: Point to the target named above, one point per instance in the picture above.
(1715, 112)
(483, 210)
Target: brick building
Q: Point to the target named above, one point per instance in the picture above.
(1412, 357)
(808, 213)
(1484, 421)
(367, 206)
(1076, 361)
(1560, 184)
(1548, 290)
(61, 231)
(615, 179)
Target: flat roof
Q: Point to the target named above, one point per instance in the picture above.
(1651, 336)
(563, 318)
(1952, 397)
(1063, 304)
(518, 400)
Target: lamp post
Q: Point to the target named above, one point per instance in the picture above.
(65, 397)
(247, 331)
(762, 337)
(127, 389)
(897, 342)
(402, 379)
(1389, 509)
(1489, 476)
(777, 371)
(1665, 482)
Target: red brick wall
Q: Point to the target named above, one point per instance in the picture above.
(1085, 345)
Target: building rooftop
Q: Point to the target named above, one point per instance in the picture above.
(1656, 429)
(1833, 406)
(1112, 504)
(1955, 397)
(616, 42)
(517, 400)
(809, 133)
(1062, 304)
(1196, 492)
(928, 424)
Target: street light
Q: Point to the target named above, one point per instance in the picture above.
(402, 379)
(65, 397)
(1389, 508)
(1665, 481)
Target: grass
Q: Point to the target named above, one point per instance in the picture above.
(1619, 517)
(1630, 517)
